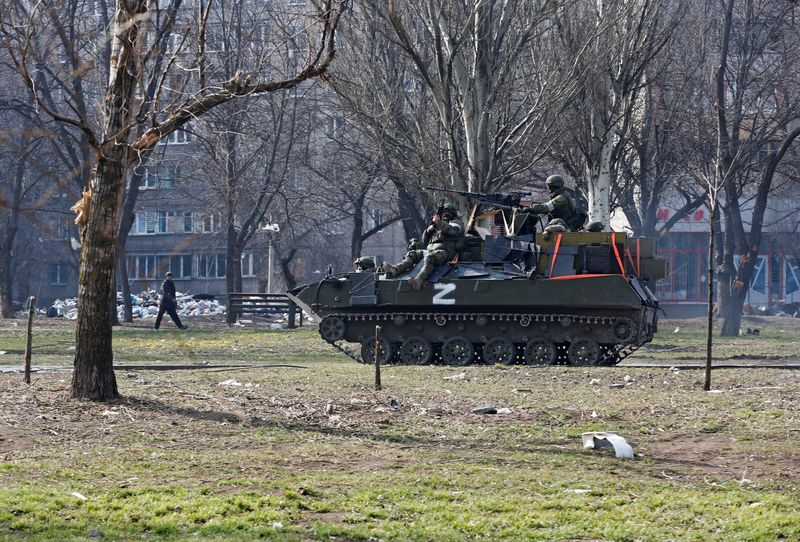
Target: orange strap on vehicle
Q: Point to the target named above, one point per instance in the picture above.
(586, 276)
(555, 255)
(616, 253)
(630, 257)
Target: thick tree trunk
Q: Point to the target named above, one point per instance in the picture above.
(7, 237)
(6, 306)
(408, 205)
(600, 185)
(93, 376)
(733, 314)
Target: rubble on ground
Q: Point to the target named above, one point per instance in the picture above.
(145, 305)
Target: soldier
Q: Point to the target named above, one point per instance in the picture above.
(364, 264)
(561, 208)
(442, 240)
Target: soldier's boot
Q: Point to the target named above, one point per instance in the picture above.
(402, 267)
(419, 281)
(390, 270)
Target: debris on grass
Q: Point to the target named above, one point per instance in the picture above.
(485, 409)
(606, 439)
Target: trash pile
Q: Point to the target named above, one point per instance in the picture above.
(145, 305)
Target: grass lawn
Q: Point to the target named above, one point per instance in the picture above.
(316, 454)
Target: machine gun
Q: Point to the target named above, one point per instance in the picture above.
(503, 201)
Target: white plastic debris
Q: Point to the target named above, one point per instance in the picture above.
(607, 439)
(230, 382)
(144, 305)
(79, 496)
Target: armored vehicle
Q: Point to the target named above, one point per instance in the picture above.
(516, 294)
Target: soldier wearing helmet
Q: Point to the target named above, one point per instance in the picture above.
(442, 240)
(561, 207)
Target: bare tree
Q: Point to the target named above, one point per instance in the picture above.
(609, 44)
(114, 147)
(757, 109)
(463, 93)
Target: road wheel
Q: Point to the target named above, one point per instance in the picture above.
(499, 350)
(332, 328)
(583, 351)
(368, 351)
(540, 352)
(457, 351)
(416, 351)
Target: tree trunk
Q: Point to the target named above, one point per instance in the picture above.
(356, 238)
(9, 234)
(710, 300)
(233, 267)
(126, 220)
(288, 276)
(408, 205)
(112, 298)
(124, 284)
(6, 306)
(733, 315)
(600, 185)
(93, 377)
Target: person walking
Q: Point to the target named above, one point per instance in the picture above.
(168, 303)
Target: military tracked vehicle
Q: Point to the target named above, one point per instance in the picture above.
(515, 295)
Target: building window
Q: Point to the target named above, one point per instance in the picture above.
(335, 127)
(142, 267)
(160, 176)
(58, 274)
(211, 266)
(178, 137)
(188, 224)
(375, 217)
(211, 223)
(180, 266)
(149, 223)
(247, 264)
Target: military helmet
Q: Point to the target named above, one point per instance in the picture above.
(364, 262)
(450, 207)
(554, 181)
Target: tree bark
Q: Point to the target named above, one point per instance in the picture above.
(288, 276)
(356, 238)
(9, 234)
(93, 376)
(233, 267)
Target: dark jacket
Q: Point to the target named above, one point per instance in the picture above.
(168, 294)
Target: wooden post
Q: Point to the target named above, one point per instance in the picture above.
(377, 358)
(31, 310)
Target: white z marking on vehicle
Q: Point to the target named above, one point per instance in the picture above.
(442, 289)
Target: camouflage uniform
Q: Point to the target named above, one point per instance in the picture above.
(441, 244)
(561, 208)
